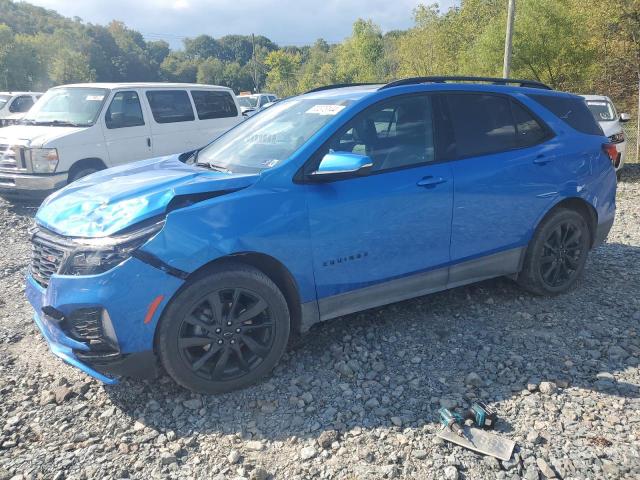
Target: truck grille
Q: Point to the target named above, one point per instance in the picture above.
(12, 158)
(49, 252)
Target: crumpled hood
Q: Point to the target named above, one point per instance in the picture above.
(108, 201)
(34, 135)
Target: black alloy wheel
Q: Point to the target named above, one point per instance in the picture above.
(557, 253)
(224, 330)
(227, 334)
(563, 249)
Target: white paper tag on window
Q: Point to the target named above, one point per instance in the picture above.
(95, 98)
(325, 109)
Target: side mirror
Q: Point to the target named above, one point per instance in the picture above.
(624, 117)
(337, 165)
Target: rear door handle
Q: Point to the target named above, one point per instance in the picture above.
(542, 160)
(148, 142)
(430, 181)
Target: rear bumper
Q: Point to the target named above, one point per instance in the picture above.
(602, 231)
(25, 185)
(123, 296)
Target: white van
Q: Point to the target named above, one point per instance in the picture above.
(13, 106)
(75, 130)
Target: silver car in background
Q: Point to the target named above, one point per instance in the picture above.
(611, 122)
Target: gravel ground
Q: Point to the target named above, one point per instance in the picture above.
(358, 397)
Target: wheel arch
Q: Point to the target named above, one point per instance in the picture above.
(272, 268)
(85, 163)
(579, 205)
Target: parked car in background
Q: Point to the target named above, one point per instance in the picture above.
(255, 102)
(611, 122)
(324, 204)
(75, 130)
(13, 106)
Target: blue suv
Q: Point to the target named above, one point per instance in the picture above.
(328, 203)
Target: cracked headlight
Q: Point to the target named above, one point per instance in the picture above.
(92, 256)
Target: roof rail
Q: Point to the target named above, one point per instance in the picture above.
(339, 85)
(495, 81)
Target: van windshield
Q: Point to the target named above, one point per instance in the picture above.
(3, 100)
(247, 101)
(270, 137)
(67, 106)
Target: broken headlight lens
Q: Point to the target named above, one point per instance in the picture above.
(92, 256)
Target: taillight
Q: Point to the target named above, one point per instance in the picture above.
(611, 150)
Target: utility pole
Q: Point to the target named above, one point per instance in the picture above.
(255, 64)
(511, 13)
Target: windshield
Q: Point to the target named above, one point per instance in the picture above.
(603, 111)
(3, 100)
(247, 101)
(72, 106)
(271, 137)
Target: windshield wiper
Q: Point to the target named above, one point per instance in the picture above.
(213, 166)
(58, 123)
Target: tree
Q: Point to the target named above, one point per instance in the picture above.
(69, 66)
(359, 57)
(202, 47)
(282, 72)
(157, 51)
(177, 68)
(319, 66)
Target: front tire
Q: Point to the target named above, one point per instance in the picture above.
(557, 254)
(80, 173)
(224, 331)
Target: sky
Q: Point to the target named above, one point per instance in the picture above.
(286, 22)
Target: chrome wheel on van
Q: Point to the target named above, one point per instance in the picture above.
(223, 330)
(227, 334)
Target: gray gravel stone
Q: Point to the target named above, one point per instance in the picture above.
(585, 344)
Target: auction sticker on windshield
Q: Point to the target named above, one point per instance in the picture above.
(325, 109)
(95, 98)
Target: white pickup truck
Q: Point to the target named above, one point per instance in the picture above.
(75, 130)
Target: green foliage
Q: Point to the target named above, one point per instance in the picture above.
(283, 72)
(359, 57)
(576, 45)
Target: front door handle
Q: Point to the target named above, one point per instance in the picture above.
(430, 181)
(148, 141)
(542, 159)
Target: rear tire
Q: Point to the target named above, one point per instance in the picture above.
(224, 331)
(557, 254)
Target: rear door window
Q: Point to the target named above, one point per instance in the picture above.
(210, 104)
(124, 111)
(571, 110)
(170, 106)
(482, 124)
(529, 131)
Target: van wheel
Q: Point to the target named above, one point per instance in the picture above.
(224, 331)
(82, 172)
(557, 254)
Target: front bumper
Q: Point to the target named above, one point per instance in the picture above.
(29, 185)
(125, 293)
